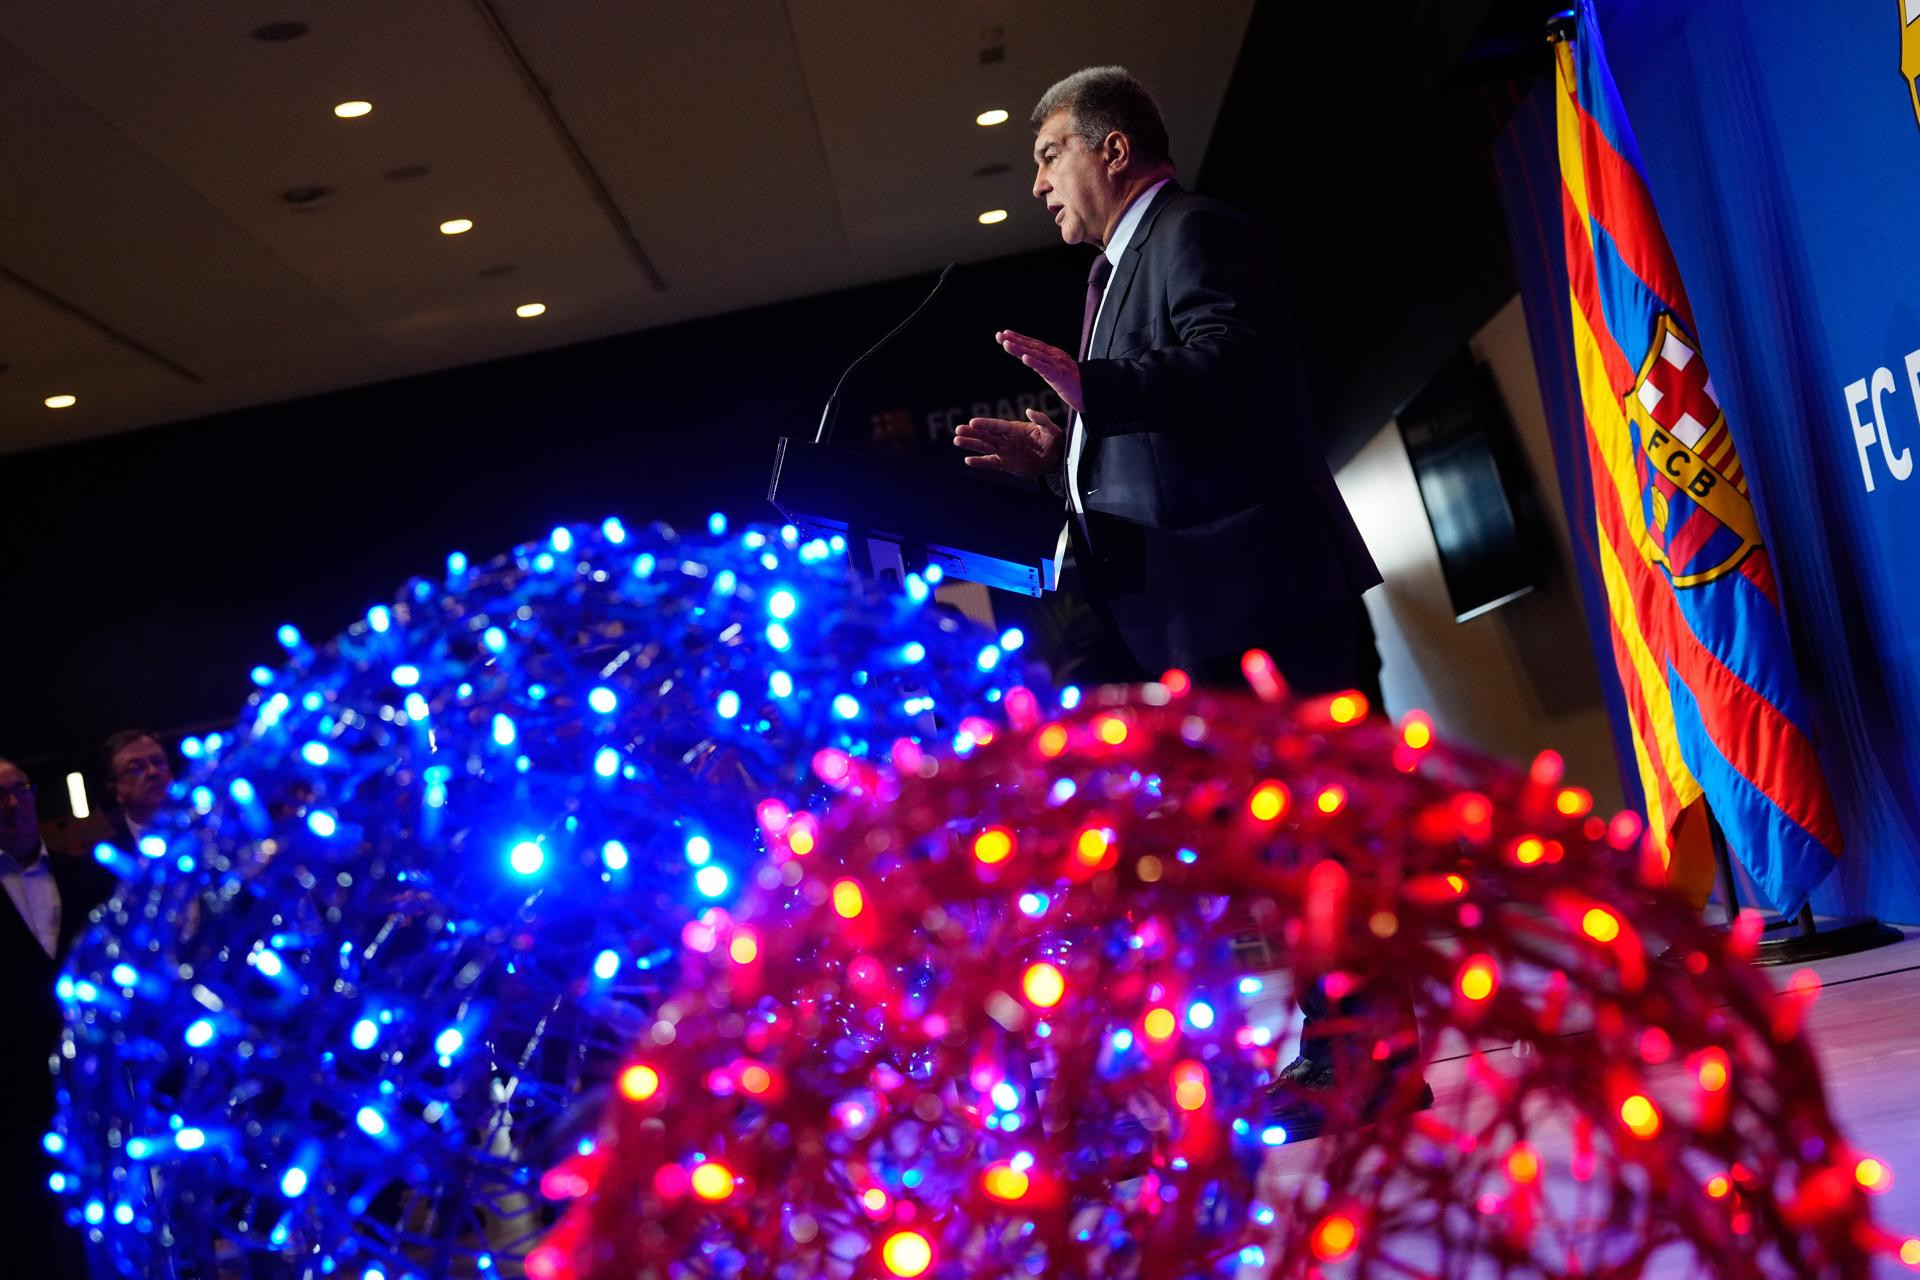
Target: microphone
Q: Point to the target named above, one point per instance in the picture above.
(825, 433)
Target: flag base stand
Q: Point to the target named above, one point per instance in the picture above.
(1801, 939)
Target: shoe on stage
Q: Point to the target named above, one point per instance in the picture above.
(1307, 1099)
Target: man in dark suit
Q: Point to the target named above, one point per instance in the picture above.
(45, 907)
(138, 775)
(1203, 518)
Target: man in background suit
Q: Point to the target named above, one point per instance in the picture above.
(137, 773)
(46, 905)
(1203, 517)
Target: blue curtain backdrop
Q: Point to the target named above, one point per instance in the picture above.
(1782, 144)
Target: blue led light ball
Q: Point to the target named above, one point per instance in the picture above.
(373, 976)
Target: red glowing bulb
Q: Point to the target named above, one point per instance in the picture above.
(1334, 1238)
(1004, 1182)
(1112, 730)
(993, 845)
(639, 1082)
(1479, 976)
(1269, 801)
(712, 1180)
(848, 901)
(906, 1253)
(1640, 1116)
(1043, 984)
(1600, 924)
(1189, 1085)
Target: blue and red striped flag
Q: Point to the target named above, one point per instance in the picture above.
(1718, 719)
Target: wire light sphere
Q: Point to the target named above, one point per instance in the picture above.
(380, 969)
(1038, 1048)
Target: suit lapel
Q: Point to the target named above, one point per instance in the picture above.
(1123, 274)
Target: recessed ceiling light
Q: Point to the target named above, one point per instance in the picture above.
(992, 216)
(995, 116)
(355, 109)
(62, 402)
(528, 310)
(456, 226)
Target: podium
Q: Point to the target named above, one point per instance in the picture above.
(898, 518)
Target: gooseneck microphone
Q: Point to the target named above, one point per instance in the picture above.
(825, 433)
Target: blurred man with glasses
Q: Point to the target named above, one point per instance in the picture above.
(138, 776)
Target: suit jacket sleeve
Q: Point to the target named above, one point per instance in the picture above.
(1220, 299)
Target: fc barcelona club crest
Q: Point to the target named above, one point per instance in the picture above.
(1700, 522)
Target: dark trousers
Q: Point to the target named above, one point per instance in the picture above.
(1326, 653)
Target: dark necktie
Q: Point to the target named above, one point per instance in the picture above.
(1096, 290)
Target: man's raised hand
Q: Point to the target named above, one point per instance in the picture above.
(1059, 368)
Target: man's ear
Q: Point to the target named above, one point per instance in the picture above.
(1116, 150)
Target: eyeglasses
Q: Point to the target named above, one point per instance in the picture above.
(20, 793)
(142, 765)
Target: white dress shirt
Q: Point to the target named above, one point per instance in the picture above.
(1076, 432)
(35, 896)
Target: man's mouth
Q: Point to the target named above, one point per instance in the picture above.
(1059, 211)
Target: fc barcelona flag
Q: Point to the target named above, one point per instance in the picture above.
(1697, 635)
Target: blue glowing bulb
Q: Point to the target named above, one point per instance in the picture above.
(365, 1034)
(123, 975)
(934, 574)
(57, 1182)
(448, 1042)
(1274, 1135)
(153, 846)
(727, 705)
(777, 637)
(55, 1144)
(417, 708)
(380, 617)
(781, 605)
(527, 857)
(190, 1139)
(1012, 638)
(614, 855)
(293, 1182)
(780, 684)
(789, 534)
(562, 540)
(203, 799)
(289, 636)
(717, 524)
(191, 748)
(406, 675)
(262, 676)
(612, 530)
(989, 658)
(456, 563)
(503, 731)
(1005, 1096)
(1070, 697)
(1033, 905)
(1200, 1015)
(1062, 790)
(322, 823)
(699, 851)
(95, 1213)
(602, 699)
(315, 753)
(139, 1148)
(917, 588)
(1122, 1040)
(606, 762)
(494, 639)
(1251, 986)
(725, 582)
(371, 1122)
(606, 965)
(269, 963)
(643, 564)
(913, 651)
(711, 881)
(846, 707)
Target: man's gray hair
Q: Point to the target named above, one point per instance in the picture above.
(1104, 100)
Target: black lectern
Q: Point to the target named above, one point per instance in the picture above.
(898, 518)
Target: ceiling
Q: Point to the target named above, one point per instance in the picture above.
(627, 164)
